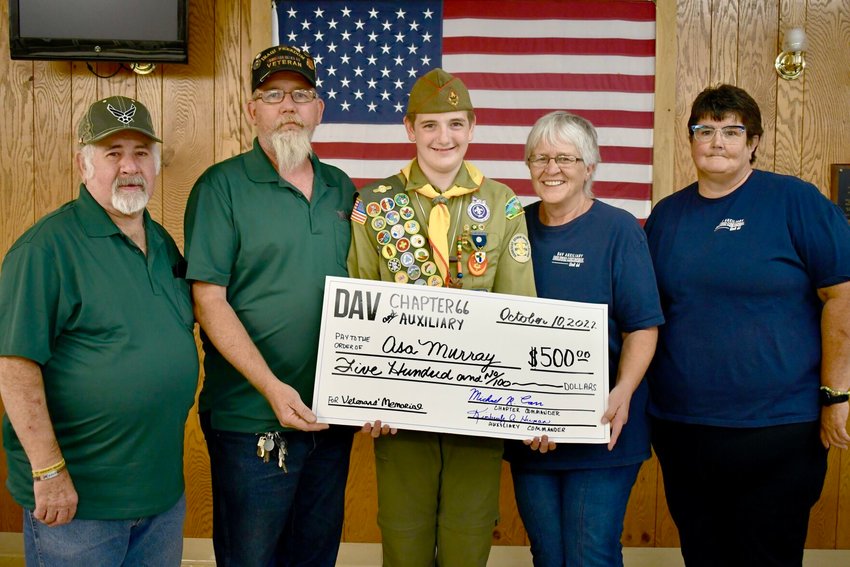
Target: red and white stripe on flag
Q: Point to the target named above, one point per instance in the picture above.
(521, 59)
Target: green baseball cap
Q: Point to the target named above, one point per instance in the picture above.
(436, 92)
(114, 114)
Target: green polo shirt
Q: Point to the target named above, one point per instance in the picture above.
(251, 231)
(112, 331)
(497, 216)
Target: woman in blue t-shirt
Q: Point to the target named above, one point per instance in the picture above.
(753, 270)
(573, 500)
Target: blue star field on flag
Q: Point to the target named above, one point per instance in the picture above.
(368, 54)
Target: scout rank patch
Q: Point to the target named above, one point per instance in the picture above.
(520, 248)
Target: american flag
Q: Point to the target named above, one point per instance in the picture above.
(520, 59)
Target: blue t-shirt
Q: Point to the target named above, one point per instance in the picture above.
(738, 277)
(600, 257)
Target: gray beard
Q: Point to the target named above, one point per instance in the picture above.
(292, 148)
(130, 203)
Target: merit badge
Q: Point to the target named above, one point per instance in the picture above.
(477, 263)
(414, 272)
(402, 199)
(478, 210)
(513, 208)
(429, 268)
(393, 217)
(397, 231)
(401, 277)
(381, 189)
(383, 237)
(417, 240)
(406, 212)
(394, 265)
(379, 223)
(421, 254)
(478, 238)
(388, 251)
(435, 281)
(411, 227)
(519, 248)
(420, 281)
(403, 245)
(407, 259)
(373, 209)
(387, 204)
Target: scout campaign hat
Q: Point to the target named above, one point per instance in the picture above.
(437, 91)
(282, 58)
(114, 114)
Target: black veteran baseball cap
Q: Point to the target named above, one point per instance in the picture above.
(114, 114)
(282, 58)
(436, 92)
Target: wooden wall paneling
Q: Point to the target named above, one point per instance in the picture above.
(664, 128)
(693, 22)
(115, 79)
(188, 92)
(827, 100)
(259, 37)
(723, 55)
(789, 101)
(509, 530)
(639, 524)
(757, 32)
(842, 525)
(228, 79)
(16, 187)
(53, 170)
(149, 93)
(361, 494)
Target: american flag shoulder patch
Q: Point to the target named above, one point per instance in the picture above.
(358, 214)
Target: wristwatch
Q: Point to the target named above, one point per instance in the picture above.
(828, 396)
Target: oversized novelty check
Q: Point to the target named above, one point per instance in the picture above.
(456, 361)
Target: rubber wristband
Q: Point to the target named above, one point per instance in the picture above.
(52, 468)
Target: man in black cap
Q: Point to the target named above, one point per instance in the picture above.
(263, 229)
(98, 364)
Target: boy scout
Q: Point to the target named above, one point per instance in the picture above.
(439, 222)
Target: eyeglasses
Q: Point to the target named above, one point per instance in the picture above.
(561, 160)
(276, 96)
(703, 133)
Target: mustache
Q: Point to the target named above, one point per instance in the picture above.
(131, 180)
(289, 119)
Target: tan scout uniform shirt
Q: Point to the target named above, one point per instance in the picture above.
(389, 239)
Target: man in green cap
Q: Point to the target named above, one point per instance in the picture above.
(439, 222)
(98, 364)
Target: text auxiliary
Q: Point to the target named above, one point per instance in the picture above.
(460, 361)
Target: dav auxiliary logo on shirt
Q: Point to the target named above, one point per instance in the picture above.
(568, 259)
(730, 225)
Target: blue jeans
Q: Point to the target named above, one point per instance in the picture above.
(155, 541)
(265, 517)
(575, 517)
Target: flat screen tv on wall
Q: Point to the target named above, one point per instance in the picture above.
(99, 30)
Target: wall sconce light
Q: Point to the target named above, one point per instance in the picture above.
(142, 68)
(790, 63)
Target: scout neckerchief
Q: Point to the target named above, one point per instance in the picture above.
(440, 219)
